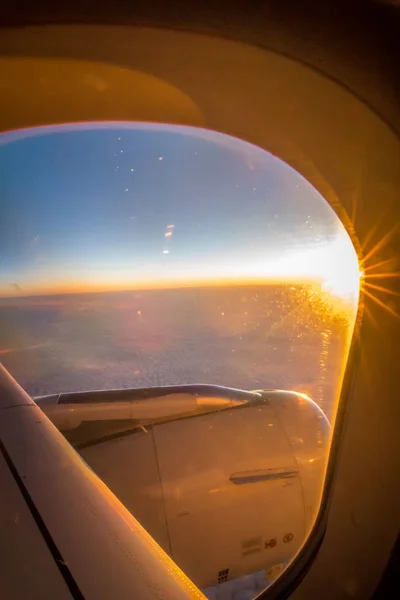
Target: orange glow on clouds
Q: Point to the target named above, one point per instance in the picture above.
(334, 266)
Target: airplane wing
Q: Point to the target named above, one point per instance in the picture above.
(64, 533)
(226, 481)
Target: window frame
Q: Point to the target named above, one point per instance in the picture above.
(305, 562)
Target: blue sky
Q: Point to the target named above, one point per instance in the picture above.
(117, 206)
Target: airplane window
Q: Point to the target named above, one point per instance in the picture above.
(193, 297)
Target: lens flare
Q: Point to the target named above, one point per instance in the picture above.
(380, 266)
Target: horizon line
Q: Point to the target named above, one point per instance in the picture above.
(168, 286)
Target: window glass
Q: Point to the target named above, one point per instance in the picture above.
(146, 256)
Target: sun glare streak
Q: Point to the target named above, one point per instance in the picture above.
(378, 264)
(371, 317)
(374, 271)
(382, 242)
(354, 208)
(370, 234)
(380, 303)
(381, 289)
(356, 192)
(383, 275)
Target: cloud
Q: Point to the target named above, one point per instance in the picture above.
(15, 286)
(6, 351)
(24, 348)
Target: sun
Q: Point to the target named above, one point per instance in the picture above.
(334, 265)
(340, 269)
(343, 283)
